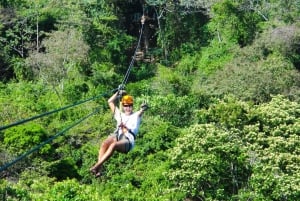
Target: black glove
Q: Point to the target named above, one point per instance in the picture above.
(121, 90)
(122, 93)
(144, 106)
(121, 87)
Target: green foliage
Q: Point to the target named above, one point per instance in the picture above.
(209, 163)
(179, 31)
(144, 71)
(274, 150)
(63, 169)
(219, 163)
(175, 109)
(253, 79)
(8, 192)
(16, 37)
(141, 88)
(75, 93)
(20, 139)
(284, 11)
(60, 57)
(169, 81)
(108, 44)
(104, 74)
(231, 24)
(283, 39)
(116, 47)
(21, 71)
(69, 190)
(199, 140)
(228, 112)
(17, 101)
(188, 65)
(156, 135)
(214, 57)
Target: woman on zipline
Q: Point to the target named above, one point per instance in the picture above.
(128, 123)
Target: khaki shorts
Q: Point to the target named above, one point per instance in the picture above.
(128, 145)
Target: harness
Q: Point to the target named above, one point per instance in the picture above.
(120, 136)
(124, 130)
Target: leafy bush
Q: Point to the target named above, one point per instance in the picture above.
(69, 190)
(141, 88)
(170, 81)
(273, 138)
(74, 93)
(60, 56)
(284, 39)
(175, 109)
(22, 138)
(228, 112)
(103, 74)
(254, 80)
(218, 161)
(155, 135)
(8, 192)
(142, 72)
(63, 169)
(22, 100)
(209, 163)
(214, 57)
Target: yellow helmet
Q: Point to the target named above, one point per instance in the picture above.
(127, 100)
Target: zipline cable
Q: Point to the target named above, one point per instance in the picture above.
(134, 55)
(122, 86)
(51, 112)
(47, 141)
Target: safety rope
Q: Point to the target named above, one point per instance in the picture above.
(47, 141)
(134, 55)
(130, 67)
(51, 112)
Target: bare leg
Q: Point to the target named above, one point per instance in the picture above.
(105, 145)
(103, 148)
(106, 151)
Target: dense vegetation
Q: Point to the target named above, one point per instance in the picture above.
(221, 78)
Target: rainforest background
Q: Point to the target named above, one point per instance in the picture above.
(221, 78)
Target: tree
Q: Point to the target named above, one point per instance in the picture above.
(209, 163)
(23, 31)
(253, 76)
(272, 136)
(62, 54)
(259, 160)
(284, 39)
(232, 24)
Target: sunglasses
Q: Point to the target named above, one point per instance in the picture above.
(127, 105)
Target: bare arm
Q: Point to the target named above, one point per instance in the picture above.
(111, 101)
(140, 112)
(143, 108)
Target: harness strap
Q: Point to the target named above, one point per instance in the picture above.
(131, 132)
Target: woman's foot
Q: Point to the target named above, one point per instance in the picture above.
(98, 174)
(96, 171)
(93, 171)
